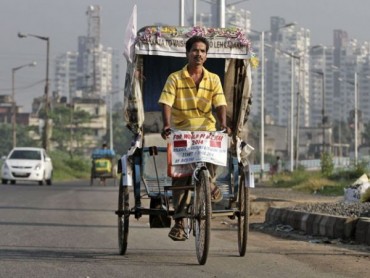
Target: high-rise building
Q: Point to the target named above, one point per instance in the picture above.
(284, 45)
(93, 69)
(65, 74)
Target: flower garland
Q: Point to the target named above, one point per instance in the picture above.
(151, 34)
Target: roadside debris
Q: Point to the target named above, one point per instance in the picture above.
(354, 192)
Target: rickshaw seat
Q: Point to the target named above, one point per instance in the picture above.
(150, 164)
(153, 122)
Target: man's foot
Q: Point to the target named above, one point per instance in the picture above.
(177, 232)
(216, 194)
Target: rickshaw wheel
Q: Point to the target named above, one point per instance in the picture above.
(123, 218)
(202, 216)
(243, 215)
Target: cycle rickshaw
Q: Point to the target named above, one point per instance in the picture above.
(145, 169)
(104, 166)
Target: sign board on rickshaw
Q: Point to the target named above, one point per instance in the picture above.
(199, 146)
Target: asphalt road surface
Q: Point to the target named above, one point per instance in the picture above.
(70, 230)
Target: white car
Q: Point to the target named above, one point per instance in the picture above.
(27, 164)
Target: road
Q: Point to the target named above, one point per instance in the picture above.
(70, 230)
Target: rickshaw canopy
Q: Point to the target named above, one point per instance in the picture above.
(160, 50)
(170, 41)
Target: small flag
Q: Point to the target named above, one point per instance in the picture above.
(130, 36)
(180, 144)
(215, 144)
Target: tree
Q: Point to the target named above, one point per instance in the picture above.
(69, 128)
(23, 138)
(122, 136)
(61, 124)
(366, 133)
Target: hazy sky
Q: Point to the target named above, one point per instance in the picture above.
(64, 20)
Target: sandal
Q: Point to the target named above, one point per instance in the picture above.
(177, 232)
(216, 195)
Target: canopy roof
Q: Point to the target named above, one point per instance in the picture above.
(170, 41)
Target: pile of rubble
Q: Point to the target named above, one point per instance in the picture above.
(353, 209)
(351, 206)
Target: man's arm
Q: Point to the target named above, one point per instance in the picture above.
(166, 118)
(221, 115)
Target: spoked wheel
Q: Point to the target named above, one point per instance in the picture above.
(243, 215)
(202, 216)
(123, 218)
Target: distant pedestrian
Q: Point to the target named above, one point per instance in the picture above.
(276, 167)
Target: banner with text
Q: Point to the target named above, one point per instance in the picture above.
(175, 47)
(199, 146)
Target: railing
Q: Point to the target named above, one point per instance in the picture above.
(313, 164)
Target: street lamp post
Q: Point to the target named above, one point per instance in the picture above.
(355, 84)
(322, 75)
(291, 114)
(14, 112)
(45, 137)
(292, 58)
(262, 38)
(356, 118)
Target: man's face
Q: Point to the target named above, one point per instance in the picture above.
(197, 54)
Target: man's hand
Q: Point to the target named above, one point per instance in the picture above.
(166, 131)
(227, 129)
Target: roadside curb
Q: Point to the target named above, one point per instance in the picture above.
(357, 229)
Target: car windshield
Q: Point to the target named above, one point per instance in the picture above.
(26, 154)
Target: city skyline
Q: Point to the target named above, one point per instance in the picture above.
(64, 21)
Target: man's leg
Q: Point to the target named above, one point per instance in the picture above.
(181, 200)
(216, 193)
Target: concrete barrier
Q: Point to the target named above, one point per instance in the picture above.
(322, 225)
(362, 230)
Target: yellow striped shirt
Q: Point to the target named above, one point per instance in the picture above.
(192, 108)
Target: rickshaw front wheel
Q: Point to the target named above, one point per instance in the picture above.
(243, 215)
(123, 218)
(202, 216)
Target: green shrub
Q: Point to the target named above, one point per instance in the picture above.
(327, 164)
(67, 168)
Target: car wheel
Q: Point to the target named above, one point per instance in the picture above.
(4, 181)
(41, 182)
(12, 182)
(49, 181)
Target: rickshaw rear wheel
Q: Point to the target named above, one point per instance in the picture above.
(202, 216)
(243, 215)
(123, 218)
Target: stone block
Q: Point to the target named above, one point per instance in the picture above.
(329, 228)
(288, 217)
(339, 227)
(316, 224)
(368, 235)
(297, 219)
(362, 227)
(272, 215)
(304, 222)
(284, 216)
(322, 225)
(350, 228)
(310, 223)
(269, 215)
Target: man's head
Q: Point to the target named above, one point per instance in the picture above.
(104, 146)
(194, 39)
(196, 51)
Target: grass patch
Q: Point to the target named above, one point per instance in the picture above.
(67, 168)
(315, 181)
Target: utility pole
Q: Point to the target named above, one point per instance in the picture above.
(45, 136)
